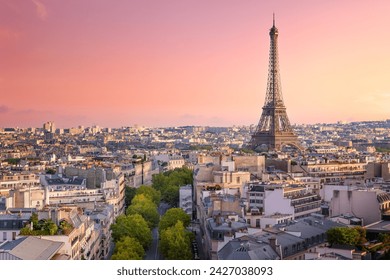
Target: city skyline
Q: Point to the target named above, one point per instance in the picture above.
(193, 63)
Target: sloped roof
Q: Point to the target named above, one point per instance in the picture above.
(32, 248)
(247, 249)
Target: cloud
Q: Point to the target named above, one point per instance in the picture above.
(4, 109)
(40, 9)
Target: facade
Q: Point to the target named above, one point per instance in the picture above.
(103, 217)
(332, 172)
(282, 202)
(169, 161)
(63, 190)
(13, 181)
(141, 174)
(185, 199)
(10, 225)
(364, 204)
(378, 170)
(83, 241)
(49, 127)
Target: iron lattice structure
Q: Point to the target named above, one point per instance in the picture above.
(274, 129)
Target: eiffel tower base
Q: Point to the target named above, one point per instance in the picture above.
(266, 142)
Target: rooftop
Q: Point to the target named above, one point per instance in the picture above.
(32, 248)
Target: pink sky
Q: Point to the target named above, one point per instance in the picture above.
(174, 62)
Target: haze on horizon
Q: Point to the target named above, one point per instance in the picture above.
(171, 63)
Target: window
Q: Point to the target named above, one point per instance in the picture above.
(13, 235)
(4, 236)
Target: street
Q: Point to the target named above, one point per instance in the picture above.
(153, 253)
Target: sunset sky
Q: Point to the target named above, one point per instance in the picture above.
(190, 62)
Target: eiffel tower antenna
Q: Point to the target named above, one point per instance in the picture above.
(273, 130)
(273, 19)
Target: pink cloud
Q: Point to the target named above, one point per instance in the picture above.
(40, 9)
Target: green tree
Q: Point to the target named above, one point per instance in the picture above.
(49, 227)
(247, 151)
(169, 183)
(13, 161)
(384, 238)
(160, 181)
(128, 248)
(34, 220)
(50, 171)
(175, 243)
(45, 227)
(343, 236)
(26, 231)
(151, 193)
(361, 240)
(65, 227)
(171, 195)
(178, 177)
(129, 195)
(132, 226)
(146, 208)
(171, 217)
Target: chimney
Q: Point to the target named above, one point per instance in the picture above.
(273, 242)
(218, 219)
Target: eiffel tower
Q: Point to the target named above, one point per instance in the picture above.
(274, 129)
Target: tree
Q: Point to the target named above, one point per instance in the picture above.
(45, 227)
(26, 231)
(34, 220)
(171, 217)
(171, 195)
(50, 171)
(175, 243)
(151, 193)
(65, 227)
(169, 183)
(343, 236)
(49, 227)
(128, 248)
(146, 208)
(132, 226)
(178, 177)
(13, 161)
(159, 181)
(361, 240)
(384, 238)
(129, 195)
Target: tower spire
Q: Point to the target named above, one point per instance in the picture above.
(274, 129)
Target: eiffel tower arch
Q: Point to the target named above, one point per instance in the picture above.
(274, 130)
